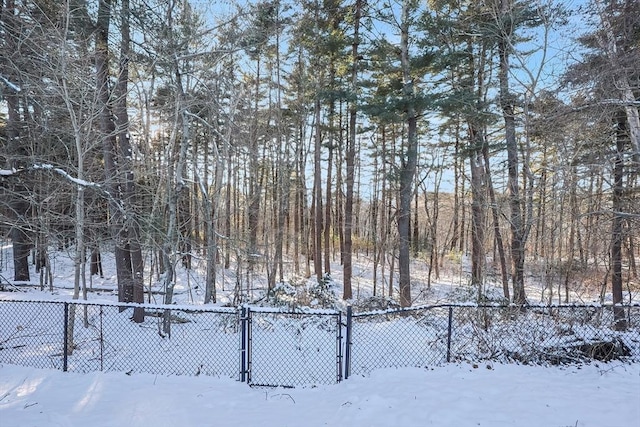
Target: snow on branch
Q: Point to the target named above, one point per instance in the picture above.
(7, 172)
(14, 87)
(48, 167)
(67, 176)
(64, 174)
(613, 102)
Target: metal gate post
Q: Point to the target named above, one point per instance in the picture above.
(243, 344)
(65, 340)
(449, 334)
(339, 347)
(347, 361)
(249, 344)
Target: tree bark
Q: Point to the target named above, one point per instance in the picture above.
(496, 225)
(109, 151)
(478, 213)
(409, 163)
(328, 196)
(18, 204)
(347, 256)
(617, 205)
(255, 189)
(515, 204)
(130, 232)
(317, 196)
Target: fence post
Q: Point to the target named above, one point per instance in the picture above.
(449, 334)
(249, 328)
(339, 347)
(101, 341)
(65, 342)
(347, 355)
(243, 344)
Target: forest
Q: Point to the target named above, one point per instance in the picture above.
(283, 138)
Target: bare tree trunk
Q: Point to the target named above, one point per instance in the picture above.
(175, 184)
(18, 204)
(298, 209)
(496, 225)
(478, 219)
(347, 267)
(283, 208)
(571, 244)
(456, 236)
(79, 257)
(415, 224)
(539, 247)
(507, 104)
(408, 167)
(317, 196)
(432, 226)
(131, 229)
(376, 223)
(328, 196)
(617, 224)
(338, 221)
(255, 189)
(211, 231)
(109, 151)
(227, 208)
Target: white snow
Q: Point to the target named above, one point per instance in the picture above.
(606, 395)
(66, 175)
(597, 395)
(14, 87)
(61, 172)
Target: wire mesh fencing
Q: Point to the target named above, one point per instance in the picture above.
(264, 346)
(29, 334)
(397, 338)
(290, 349)
(201, 342)
(544, 335)
(85, 337)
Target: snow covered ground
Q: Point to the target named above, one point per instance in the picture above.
(602, 395)
(605, 395)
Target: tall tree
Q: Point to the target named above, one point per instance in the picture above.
(610, 68)
(507, 20)
(18, 205)
(133, 283)
(117, 155)
(410, 158)
(350, 154)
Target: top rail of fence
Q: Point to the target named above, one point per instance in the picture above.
(490, 306)
(181, 307)
(309, 311)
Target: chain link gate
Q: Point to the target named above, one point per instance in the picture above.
(270, 347)
(288, 349)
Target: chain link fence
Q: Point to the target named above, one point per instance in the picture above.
(270, 347)
(85, 337)
(31, 333)
(398, 338)
(546, 335)
(290, 349)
